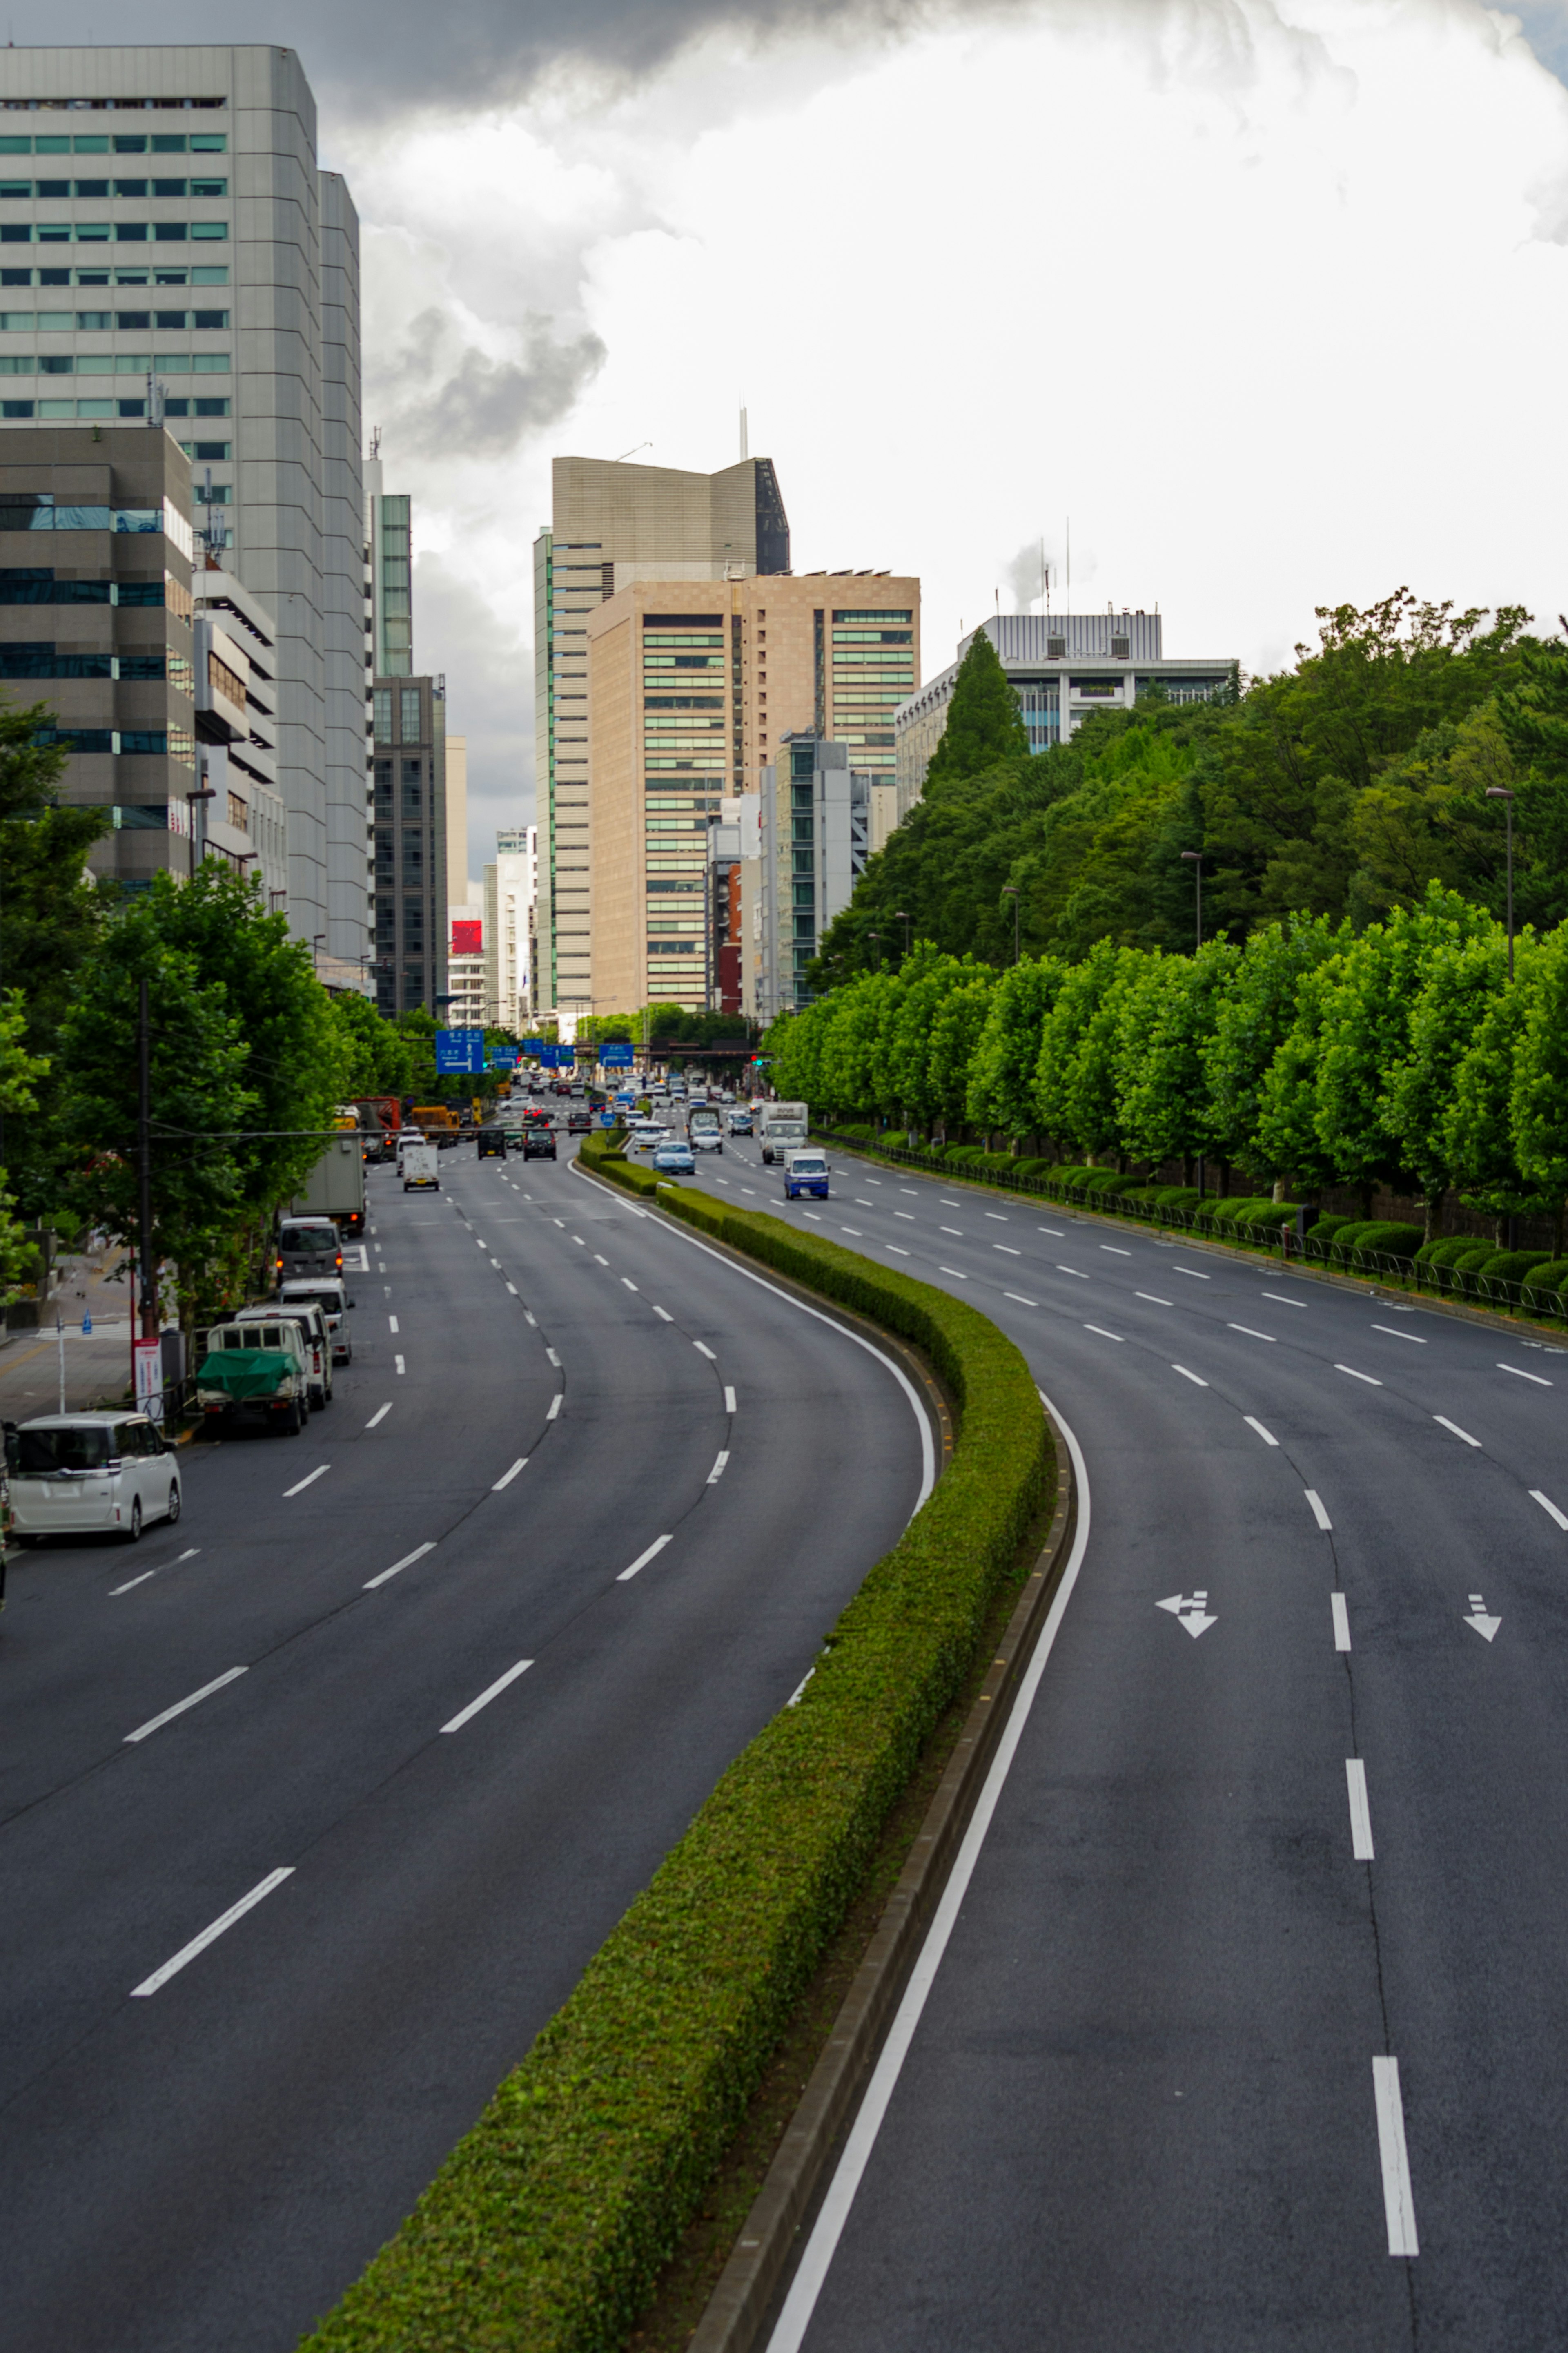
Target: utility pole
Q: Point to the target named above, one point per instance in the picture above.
(144, 1157)
(1195, 858)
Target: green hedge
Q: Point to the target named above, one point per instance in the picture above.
(1544, 1284)
(1513, 1266)
(548, 2225)
(1389, 1238)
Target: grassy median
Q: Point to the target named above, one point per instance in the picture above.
(548, 2226)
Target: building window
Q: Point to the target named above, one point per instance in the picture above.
(409, 701)
(382, 700)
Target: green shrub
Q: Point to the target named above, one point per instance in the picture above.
(1513, 1266)
(1544, 1284)
(1468, 1264)
(1389, 1238)
(1323, 1230)
(1036, 1169)
(1176, 1197)
(552, 2219)
(1443, 1253)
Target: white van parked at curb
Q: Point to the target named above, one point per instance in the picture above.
(89, 1474)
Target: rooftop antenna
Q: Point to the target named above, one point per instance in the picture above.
(745, 447)
(630, 453)
(375, 440)
(1044, 580)
(1070, 563)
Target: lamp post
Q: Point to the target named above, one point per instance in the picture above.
(1504, 793)
(899, 916)
(201, 792)
(1195, 858)
(1010, 890)
(878, 937)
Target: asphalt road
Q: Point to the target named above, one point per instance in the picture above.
(463, 1736)
(1235, 1861)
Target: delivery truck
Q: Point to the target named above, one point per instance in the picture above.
(781, 1128)
(335, 1186)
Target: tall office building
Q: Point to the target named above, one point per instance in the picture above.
(687, 696)
(612, 524)
(508, 886)
(408, 719)
(170, 250)
(814, 841)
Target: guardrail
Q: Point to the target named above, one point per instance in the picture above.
(1283, 1242)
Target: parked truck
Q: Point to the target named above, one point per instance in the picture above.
(335, 1186)
(781, 1128)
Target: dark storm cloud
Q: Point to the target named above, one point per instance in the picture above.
(439, 396)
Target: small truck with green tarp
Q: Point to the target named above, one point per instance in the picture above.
(258, 1372)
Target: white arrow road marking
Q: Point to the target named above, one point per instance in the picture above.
(1443, 1420)
(1318, 1512)
(1485, 1627)
(1399, 2204)
(399, 1566)
(1190, 1614)
(1341, 1622)
(1549, 1507)
(1360, 1813)
(210, 1935)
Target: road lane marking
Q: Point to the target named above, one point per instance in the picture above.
(554, 1407)
(528, 1313)
(908, 1214)
(956, 1231)
(1395, 1334)
(957, 1272)
(192, 1699)
(1279, 1299)
(893, 1250)
(912, 1191)
(851, 1229)
(398, 1566)
(553, 1358)
(379, 1415)
(1447, 1424)
(397, 1364)
(703, 1350)
(134, 1580)
(728, 1400)
(1020, 1298)
(1486, 1626)
(1195, 1272)
(662, 1313)
(1114, 1251)
(1352, 1374)
(1102, 1332)
(496, 1263)
(1360, 1813)
(308, 1481)
(629, 1284)
(485, 1697)
(1008, 1247)
(861, 1203)
(1073, 1270)
(643, 1558)
(1318, 1512)
(997, 1214)
(1055, 1232)
(508, 1476)
(813, 1215)
(1153, 1299)
(1398, 2202)
(392, 1323)
(512, 1288)
(1341, 1622)
(580, 1242)
(1247, 1329)
(718, 1471)
(1194, 1378)
(1549, 1507)
(210, 1935)
(1266, 1435)
(1519, 1374)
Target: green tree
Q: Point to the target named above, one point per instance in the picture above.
(1479, 1127)
(1286, 1143)
(961, 1017)
(1538, 1098)
(1075, 1079)
(984, 721)
(1462, 980)
(376, 1058)
(1167, 1019)
(1252, 1020)
(1001, 1091)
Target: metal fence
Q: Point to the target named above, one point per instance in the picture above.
(1282, 1242)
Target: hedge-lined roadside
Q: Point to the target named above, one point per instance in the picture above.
(547, 2227)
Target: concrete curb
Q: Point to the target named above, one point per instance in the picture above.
(740, 2304)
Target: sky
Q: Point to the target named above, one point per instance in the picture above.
(1265, 301)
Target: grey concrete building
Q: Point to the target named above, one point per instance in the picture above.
(409, 758)
(1064, 666)
(814, 841)
(170, 251)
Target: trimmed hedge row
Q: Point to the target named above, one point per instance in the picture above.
(549, 2223)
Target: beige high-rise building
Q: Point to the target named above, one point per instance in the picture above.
(612, 524)
(458, 816)
(686, 696)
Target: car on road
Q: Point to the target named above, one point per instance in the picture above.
(308, 1246)
(490, 1143)
(333, 1299)
(674, 1158)
(806, 1172)
(89, 1474)
(740, 1121)
(421, 1168)
(647, 1135)
(258, 1372)
(539, 1143)
(580, 1123)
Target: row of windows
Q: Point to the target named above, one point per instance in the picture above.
(24, 189)
(36, 584)
(214, 274)
(129, 142)
(157, 743)
(115, 362)
(683, 702)
(42, 662)
(877, 619)
(121, 232)
(409, 713)
(62, 323)
(19, 412)
(663, 640)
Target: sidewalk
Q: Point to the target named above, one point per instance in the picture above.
(96, 1367)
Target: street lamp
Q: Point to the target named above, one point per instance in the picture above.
(878, 937)
(1503, 793)
(201, 792)
(900, 917)
(1010, 890)
(1195, 858)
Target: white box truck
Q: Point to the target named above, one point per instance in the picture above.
(781, 1128)
(335, 1186)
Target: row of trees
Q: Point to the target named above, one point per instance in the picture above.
(1312, 1053)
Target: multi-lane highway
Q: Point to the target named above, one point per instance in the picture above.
(312, 1808)
(1250, 2031)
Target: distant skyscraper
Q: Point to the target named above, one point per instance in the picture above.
(152, 199)
(612, 524)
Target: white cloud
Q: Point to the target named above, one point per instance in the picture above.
(1270, 297)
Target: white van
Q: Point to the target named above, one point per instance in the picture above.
(89, 1474)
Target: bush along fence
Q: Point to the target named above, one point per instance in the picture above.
(1529, 1282)
(547, 2227)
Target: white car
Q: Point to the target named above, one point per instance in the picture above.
(646, 1136)
(90, 1474)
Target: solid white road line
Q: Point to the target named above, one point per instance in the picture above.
(156, 1723)
(1247, 1329)
(379, 1415)
(1454, 1426)
(703, 1350)
(1102, 1332)
(485, 1697)
(1548, 1506)
(392, 1323)
(1519, 1374)
(1354, 1376)
(1399, 2204)
(1395, 1334)
(663, 1313)
(718, 1471)
(820, 2248)
(1266, 1435)
(1341, 1622)
(397, 1363)
(1153, 1302)
(728, 1400)
(554, 1407)
(309, 1480)
(135, 1580)
(1361, 1816)
(508, 1476)
(1074, 1270)
(210, 1935)
(1318, 1512)
(643, 1558)
(1195, 1378)
(398, 1565)
(1020, 1298)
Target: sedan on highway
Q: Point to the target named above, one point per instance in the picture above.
(89, 1474)
(646, 1136)
(580, 1123)
(674, 1158)
(539, 1143)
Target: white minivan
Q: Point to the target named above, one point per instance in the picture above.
(89, 1474)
